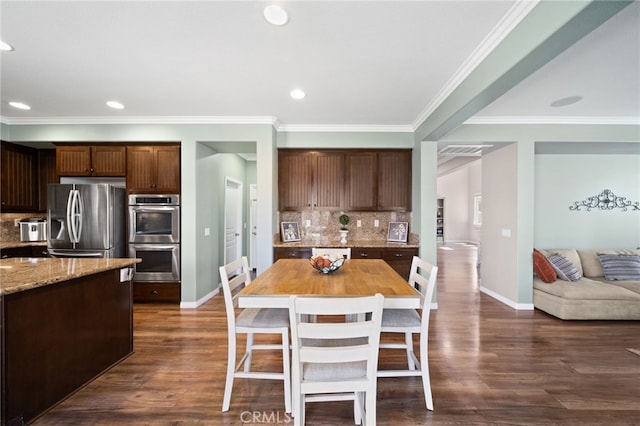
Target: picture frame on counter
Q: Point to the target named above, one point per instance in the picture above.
(289, 231)
(398, 232)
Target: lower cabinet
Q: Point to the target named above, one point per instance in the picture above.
(24, 251)
(291, 253)
(57, 338)
(168, 292)
(400, 259)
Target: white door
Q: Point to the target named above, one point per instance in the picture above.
(232, 220)
(253, 225)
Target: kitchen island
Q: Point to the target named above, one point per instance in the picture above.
(64, 322)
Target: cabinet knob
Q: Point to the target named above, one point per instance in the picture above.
(154, 292)
(398, 254)
(364, 254)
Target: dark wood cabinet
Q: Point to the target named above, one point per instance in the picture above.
(90, 160)
(153, 169)
(46, 175)
(361, 183)
(18, 187)
(400, 259)
(366, 253)
(57, 338)
(310, 180)
(24, 251)
(291, 253)
(156, 292)
(394, 180)
(349, 179)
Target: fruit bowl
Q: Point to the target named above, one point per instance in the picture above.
(327, 263)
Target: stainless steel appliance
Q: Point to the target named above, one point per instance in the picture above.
(154, 236)
(154, 218)
(33, 229)
(86, 220)
(160, 262)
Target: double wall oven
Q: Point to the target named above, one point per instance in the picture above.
(154, 236)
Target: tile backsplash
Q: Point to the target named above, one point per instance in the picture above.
(324, 226)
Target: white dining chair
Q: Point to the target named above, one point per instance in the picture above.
(252, 321)
(409, 322)
(344, 251)
(335, 361)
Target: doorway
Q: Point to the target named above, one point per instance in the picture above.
(232, 220)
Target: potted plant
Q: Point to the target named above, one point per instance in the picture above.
(344, 221)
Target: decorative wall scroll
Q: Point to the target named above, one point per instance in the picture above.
(606, 200)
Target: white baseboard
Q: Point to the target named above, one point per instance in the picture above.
(508, 302)
(194, 305)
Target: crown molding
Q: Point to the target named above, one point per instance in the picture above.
(633, 121)
(512, 18)
(373, 128)
(140, 120)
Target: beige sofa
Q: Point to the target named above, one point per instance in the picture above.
(592, 297)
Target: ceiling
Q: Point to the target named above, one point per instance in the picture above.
(364, 65)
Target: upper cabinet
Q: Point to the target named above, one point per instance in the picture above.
(19, 188)
(310, 180)
(394, 180)
(153, 169)
(90, 160)
(348, 179)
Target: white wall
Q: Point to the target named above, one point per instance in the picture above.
(499, 252)
(561, 180)
(458, 188)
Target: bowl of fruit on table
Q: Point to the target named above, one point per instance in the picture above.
(327, 263)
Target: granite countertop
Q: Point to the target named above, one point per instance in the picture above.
(25, 273)
(352, 244)
(12, 244)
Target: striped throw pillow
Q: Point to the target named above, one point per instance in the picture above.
(620, 266)
(565, 269)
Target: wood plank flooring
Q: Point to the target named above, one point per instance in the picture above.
(489, 365)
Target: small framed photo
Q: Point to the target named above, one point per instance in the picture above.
(398, 231)
(290, 231)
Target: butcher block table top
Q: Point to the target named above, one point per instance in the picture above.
(357, 277)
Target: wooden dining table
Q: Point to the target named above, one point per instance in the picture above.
(357, 277)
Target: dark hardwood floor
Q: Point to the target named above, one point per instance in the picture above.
(489, 365)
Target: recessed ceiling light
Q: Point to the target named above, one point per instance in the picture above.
(566, 101)
(19, 105)
(297, 94)
(5, 46)
(115, 105)
(275, 15)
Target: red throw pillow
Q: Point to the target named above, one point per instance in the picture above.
(542, 267)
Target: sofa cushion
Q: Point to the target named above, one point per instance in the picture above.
(565, 269)
(570, 254)
(543, 268)
(591, 266)
(633, 286)
(587, 289)
(620, 266)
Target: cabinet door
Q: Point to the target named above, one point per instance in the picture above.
(140, 170)
(18, 187)
(46, 175)
(329, 181)
(167, 169)
(108, 161)
(295, 181)
(291, 253)
(361, 184)
(400, 259)
(366, 253)
(394, 180)
(73, 160)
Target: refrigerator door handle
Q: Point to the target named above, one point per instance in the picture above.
(70, 228)
(80, 212)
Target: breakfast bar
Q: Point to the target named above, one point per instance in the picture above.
(64, 322)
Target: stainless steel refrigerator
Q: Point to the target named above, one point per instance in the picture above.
(86, 220)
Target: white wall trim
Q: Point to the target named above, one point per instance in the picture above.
(373, 128)
(508, 302)
(197, 303)
(554, 120)
(141, 120)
